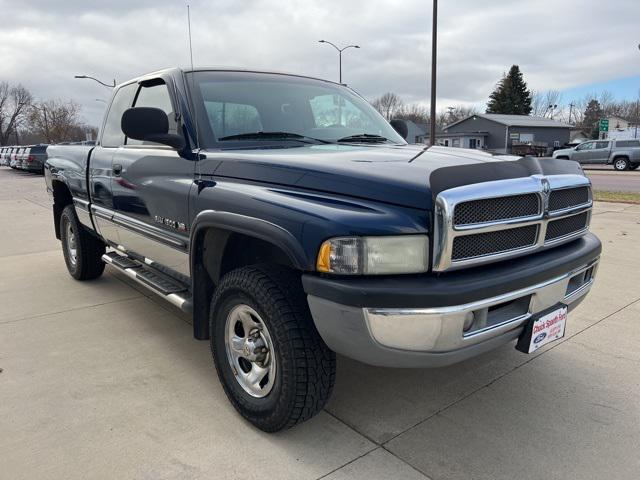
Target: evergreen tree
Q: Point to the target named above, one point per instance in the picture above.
(511, 95)
(592, 115)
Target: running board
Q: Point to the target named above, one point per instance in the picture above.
(168, 288)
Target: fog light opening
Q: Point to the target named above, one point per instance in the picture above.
(468, 321)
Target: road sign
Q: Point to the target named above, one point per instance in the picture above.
(604, 125)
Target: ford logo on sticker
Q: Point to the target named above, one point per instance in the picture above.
(540, 337)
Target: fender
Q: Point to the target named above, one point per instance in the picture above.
(253, 227)
(617, 154)
(72, 172)
(201, 287)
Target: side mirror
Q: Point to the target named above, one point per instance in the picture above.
(401, 127)
(150, 125)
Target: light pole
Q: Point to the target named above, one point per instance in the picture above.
(96, 80)
(340, 50)
(434, 49)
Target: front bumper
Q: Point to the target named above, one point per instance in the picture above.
(433, 334)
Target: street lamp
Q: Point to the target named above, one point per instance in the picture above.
(96, 80)
(434, 51)
(340, 50)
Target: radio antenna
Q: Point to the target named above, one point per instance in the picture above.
(193, 83)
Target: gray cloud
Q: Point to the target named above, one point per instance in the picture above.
(43, 44)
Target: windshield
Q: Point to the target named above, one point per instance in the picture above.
(240, 107)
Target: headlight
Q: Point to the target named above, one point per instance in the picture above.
(374, 255)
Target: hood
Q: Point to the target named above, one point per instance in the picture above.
(562, 151)
(406, 175)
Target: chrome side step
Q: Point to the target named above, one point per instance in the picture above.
(166, 287)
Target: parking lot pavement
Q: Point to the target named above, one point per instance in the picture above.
(103, 380)
(613, 181)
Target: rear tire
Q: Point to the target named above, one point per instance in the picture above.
(621, 164)
(268, 300)
(82, 251)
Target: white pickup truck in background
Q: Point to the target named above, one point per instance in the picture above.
(622, 154)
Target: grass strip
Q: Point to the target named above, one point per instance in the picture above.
(620, 197)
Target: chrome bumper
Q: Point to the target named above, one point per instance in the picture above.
(427, 337)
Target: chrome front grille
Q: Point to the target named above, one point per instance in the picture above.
(491, 221)
(557, 229)
(568, 198)
(480, 244)
(495, 209)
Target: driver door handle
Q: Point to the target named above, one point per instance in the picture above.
(117, 169)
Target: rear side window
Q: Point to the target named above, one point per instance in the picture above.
(600, 145)
(628, 143)
(112, 135)
(156, 96)
(36, 150)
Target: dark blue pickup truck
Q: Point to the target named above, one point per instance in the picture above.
(295, 223)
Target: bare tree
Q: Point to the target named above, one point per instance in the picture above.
(607, 102)
(454, 114)
(537, 103)
(14, 103)
(388, 105)
(54, 120)
(545, 104)
(413, 112)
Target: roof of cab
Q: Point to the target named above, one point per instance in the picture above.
(183, 70)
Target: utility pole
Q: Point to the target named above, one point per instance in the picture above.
(635, 135)
(450, 111)
(434, 49)
(571, 105)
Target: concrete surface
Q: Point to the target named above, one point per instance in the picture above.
(103, 380)
(613, 181)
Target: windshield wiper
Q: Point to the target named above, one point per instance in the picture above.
(364, 138)
(273, 136)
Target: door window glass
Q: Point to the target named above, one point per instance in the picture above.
(601, 145)
(156, 96)
(585, 146)
(112, 135)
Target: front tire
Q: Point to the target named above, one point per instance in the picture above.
(82, 251)
(274, 367)
(621, 164)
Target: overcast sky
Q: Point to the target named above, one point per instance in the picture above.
(559, 44)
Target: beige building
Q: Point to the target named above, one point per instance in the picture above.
(619, 123)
